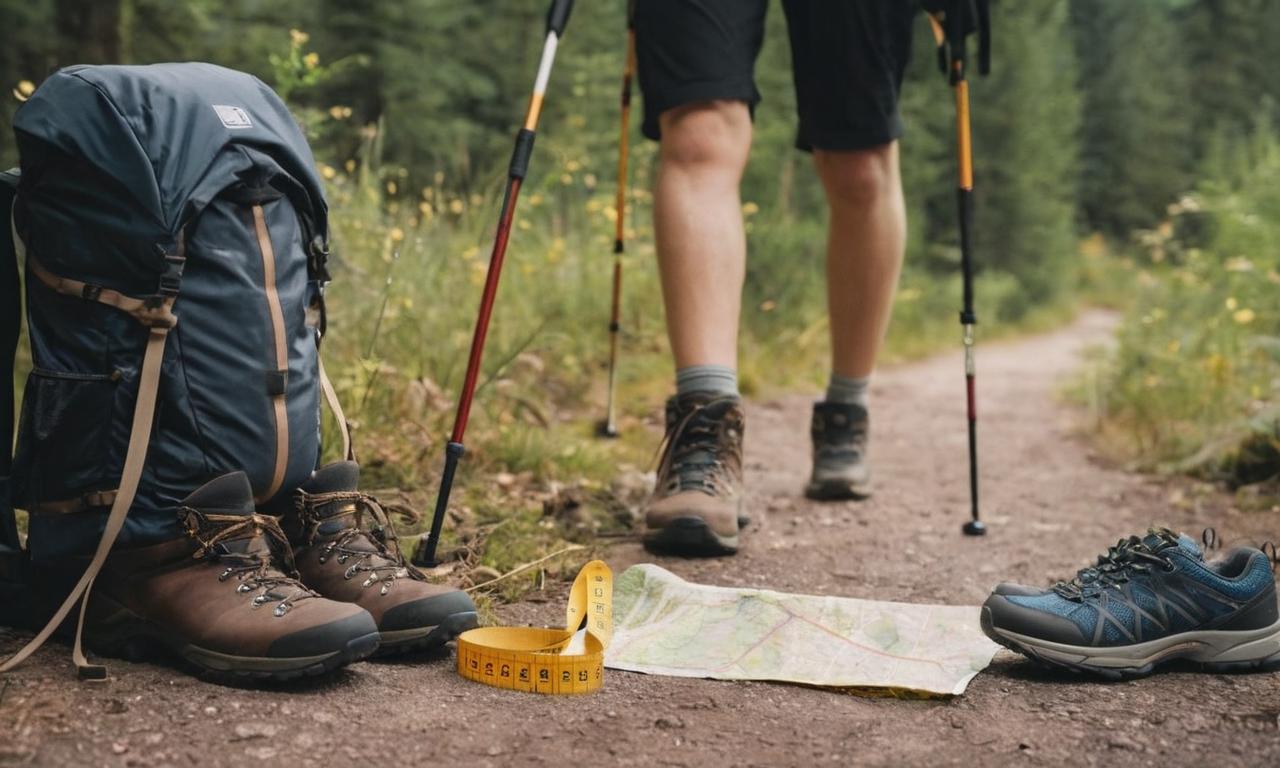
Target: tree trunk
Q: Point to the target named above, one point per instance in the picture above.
(88, 31)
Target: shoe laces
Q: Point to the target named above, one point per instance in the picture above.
(255, 569)
(839, 433)
(1129, 557)
(370, 541)
(693, 452)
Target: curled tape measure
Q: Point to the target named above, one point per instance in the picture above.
(542, 660)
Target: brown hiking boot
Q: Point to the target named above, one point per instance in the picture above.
(696, 507)
(840, 470)
(223, 597)
(346, 549)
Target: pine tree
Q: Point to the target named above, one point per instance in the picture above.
(1136, 153)
(1025, 118)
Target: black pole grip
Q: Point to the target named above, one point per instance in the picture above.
(558, 16)
(520, 156)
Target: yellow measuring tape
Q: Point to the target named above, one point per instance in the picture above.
(535, 659)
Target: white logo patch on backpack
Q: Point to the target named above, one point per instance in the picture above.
(233, 117)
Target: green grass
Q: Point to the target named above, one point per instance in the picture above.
(1194, 384)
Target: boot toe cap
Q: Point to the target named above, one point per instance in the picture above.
(427, 611)
(326, 638)
(1001, 613)
(721, 515)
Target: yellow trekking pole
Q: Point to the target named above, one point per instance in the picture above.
(609, 428)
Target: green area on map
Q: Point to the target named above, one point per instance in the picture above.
(665, 625)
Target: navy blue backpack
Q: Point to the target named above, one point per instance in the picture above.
(172, 231)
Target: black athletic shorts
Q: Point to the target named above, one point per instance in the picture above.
(848, 57)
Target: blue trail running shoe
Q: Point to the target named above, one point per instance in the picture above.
(1148, 600)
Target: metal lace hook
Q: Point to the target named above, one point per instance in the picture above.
(1209, 537)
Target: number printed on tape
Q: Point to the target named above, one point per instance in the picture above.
(533, 659)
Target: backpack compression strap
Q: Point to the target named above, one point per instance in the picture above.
(162, 321)
(331, 395)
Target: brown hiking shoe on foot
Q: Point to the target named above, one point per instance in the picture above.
(346, 549)
(224, 597)
(696, 507)
(839, 432)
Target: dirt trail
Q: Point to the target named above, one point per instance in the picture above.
(1050, 507)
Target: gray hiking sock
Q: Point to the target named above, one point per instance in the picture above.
(842, 389)
(707, 379)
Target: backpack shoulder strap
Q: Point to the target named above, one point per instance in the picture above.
(10, 327)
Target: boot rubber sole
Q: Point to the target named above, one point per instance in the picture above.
(689, 536)
(1213, 650)
(127, 636)
(837, 490)
(426, 638)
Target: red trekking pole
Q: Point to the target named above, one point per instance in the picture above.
(557, 19)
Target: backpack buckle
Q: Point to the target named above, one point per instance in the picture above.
(171, 278)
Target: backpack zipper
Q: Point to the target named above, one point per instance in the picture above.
(281, 373)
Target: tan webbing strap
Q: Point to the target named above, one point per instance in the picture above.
(331, 395)
(149, 312)
(139, 439)
(279, 403)
(146, 311)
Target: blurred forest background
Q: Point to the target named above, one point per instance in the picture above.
(1125, 155)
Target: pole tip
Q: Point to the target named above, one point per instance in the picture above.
(975, 528)
(605, 429)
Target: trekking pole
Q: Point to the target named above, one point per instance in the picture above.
(557, 19)
(610, 426)
(951, 27)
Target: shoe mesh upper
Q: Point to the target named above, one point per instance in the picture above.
(1141, 601)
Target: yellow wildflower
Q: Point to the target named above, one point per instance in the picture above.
(1243, 316)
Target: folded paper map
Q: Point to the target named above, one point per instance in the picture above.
(665, 625)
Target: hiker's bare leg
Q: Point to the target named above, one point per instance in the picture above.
(866, 237)
(698, 225)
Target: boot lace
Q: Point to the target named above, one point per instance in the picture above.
(372, 527)
(1120, 563)
(693, 453)
(256, 570)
